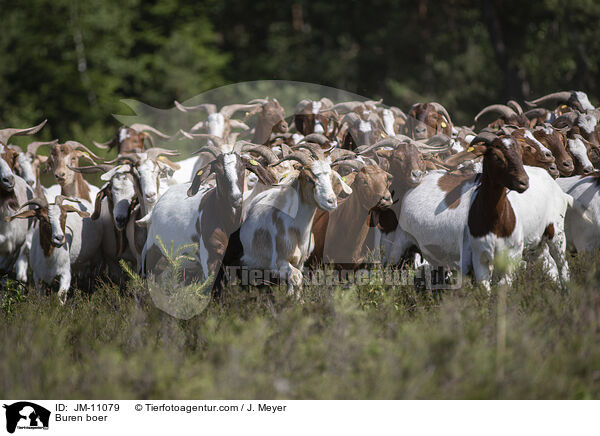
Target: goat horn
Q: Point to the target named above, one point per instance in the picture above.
(350, 163)
(314, 149)
(259, 101)
(262, 150)
(439, 108)
(91, 169)
(131, 158)
(561, 97)
(209, 148)
(40, 202)
(208, 107)
(342, 153)
(138, 127)
(536, 113)
(154, 152)
(298, 156)
(387, 142)
(317, 138)
(5, 134)
(501, 108)
(229, 110)
(33, 147)
(515, 106)
(79, 146)
(568, 119)
(485, 137)
(218, 140)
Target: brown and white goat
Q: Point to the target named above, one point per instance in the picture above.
(63, 243)
(201, 213)
(15, 237)
(131, 139)
(276, 234)
(425, 120)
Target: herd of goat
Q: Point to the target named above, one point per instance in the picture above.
(342, 184)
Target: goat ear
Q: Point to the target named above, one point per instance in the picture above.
(345, 188)
(69, 208)
(384, 220)
(265, 175)
(24, 214)
(42, 159)
(98, 203)
(164, 160)
(199, 178)
(82, 154)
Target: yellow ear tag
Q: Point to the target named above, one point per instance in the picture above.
(344, 179)
(444, 125)
(470, 148)
(564, 106)
(253, 162)
(162, 158)
(382, 135)
(247, 113)
(199, 172)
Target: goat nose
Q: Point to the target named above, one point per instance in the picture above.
(588, 170)
(150, 196)
(8, 180)
(567, 164)
(120, 221)
(548, 154)
(58, 240)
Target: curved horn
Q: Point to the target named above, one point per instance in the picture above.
(91, 169)
(131, 158)
(536, 113)
(569, 119)
(439, 108)
(317, 138)
(229, 110)
(501, 108)
(349, 106)
(259, 101)
(218, 140)
(262, 150)
(515, 106)
(40, 202)
(5, 134)
(208, 107)
(79, 146)
(486, 137)
(34, 146)
(341, 154)
(138, 127)
(350, 163)
(561, 97)
(209, 148)
(154, 152)
(387, 142)
(314, 149)
(298, 156)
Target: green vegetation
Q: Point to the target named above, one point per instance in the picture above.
(372, 341)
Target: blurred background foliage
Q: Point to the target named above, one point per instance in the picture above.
(72, 61)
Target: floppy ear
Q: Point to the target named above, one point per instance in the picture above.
(42, 159)
(98, 203)
(69, 208)
(199, 178)
(384, 220)
(265, 175)
(165, 160)
(25, 214)
(84, 155)
(345, 188)
(146, 135)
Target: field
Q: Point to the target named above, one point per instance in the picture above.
(366, 342)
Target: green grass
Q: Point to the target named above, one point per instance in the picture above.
(371, 341)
